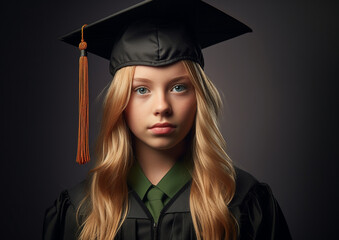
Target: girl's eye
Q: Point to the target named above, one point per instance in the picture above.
(142, 90)
(179, 88)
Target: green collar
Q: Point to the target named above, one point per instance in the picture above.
(170, 184)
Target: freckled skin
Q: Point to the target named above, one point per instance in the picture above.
(161, 95)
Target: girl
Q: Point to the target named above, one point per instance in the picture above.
(162, 171)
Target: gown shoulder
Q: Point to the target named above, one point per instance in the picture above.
(61, 220)
(256, 210)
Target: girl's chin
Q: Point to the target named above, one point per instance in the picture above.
(162, 144)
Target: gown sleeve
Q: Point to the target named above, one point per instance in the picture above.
(261, 217)
(60, 220)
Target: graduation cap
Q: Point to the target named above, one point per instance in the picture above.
(151, 33)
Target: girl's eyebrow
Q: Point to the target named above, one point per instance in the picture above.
(176, 79)
(146, 80)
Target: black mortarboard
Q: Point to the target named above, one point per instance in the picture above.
(157, 33)
(153, 33)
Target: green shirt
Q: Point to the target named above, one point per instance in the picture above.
(170, 184)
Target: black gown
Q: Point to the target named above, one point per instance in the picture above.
(254, 207)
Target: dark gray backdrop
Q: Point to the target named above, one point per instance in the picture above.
(280, 115)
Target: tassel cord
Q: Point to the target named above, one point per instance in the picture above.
(83, 131)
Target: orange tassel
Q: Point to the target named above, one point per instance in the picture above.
(83, 145)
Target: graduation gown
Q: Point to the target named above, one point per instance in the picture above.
(254, 207)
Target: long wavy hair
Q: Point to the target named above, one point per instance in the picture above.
(213, 175)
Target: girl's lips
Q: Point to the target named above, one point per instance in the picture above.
(162, 130)
(162, 125)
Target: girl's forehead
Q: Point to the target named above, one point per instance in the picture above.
(172, 71)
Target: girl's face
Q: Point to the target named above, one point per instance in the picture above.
(162, 106)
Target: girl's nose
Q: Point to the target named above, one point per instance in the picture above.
(162, 105)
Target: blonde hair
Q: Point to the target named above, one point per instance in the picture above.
(108, 192)
(213, 184)
(213, 176)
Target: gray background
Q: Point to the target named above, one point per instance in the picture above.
(280, 115)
